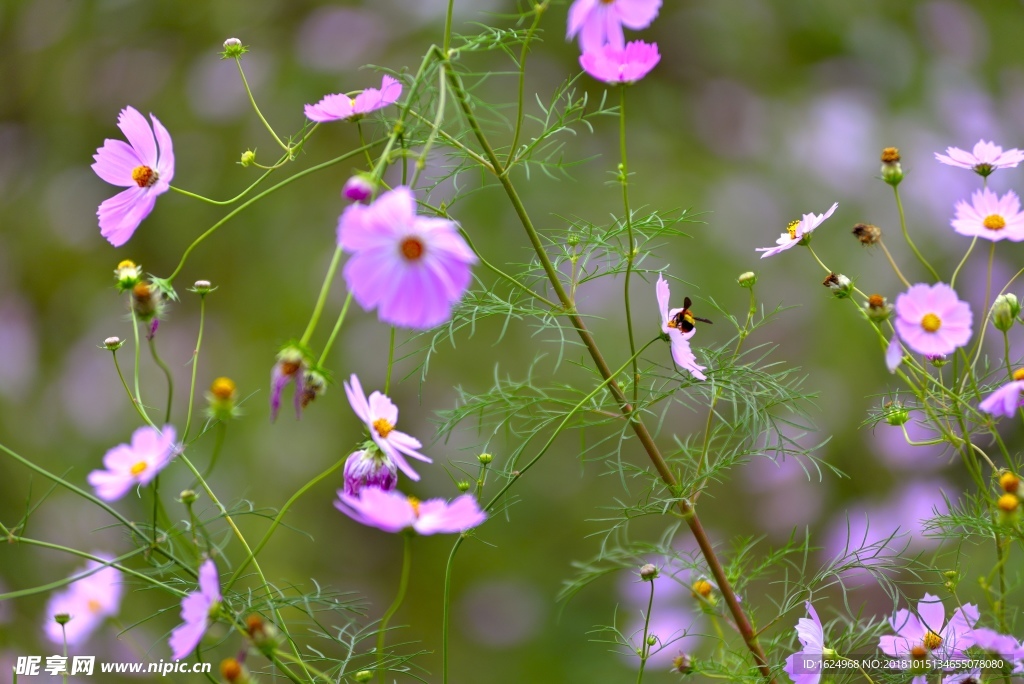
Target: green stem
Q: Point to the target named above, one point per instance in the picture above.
(624, 181)
(403, 584)
(167, 374)
(906, 234)
(501, 274)
(956, 272)
(233, 199)
(421, 160)
(218, 444)
(391, 360)
(645, 648)
(131, 397)
(138, 394)
(985, 314)
(538, 11)
(334, 332)
(447, 42)
(195, 366)
(892, 262)
(324, 290)
(252, 100)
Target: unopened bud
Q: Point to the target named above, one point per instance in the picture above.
(233, 49)
(1009, 482)
(840, 285)
(702, 588)
(937, 360)
(683, 664)
(484, 459)
(113, 343)
(62, 618)
(188, 497)
(867, 233)
(202, 287)
(358, 188)
(1008, 503)
(892, 172)
(463, 486)
(363, 676)
(648, 572)
(127, 274)
(247, 159)
(652, 639)
(877, 308)
(1005, 310)
(748, 279)
(573, 239)
(896, 414)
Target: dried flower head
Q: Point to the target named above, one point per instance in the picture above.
(867, 233)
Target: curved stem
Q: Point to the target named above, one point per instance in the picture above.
(906, 234)
(403, 584)
(538, 11)
(218, 444)
(167, 374)
(645, 648)
(624, 181)
(322, 298)
(391, 360)
(334, 332)
(234, 199)
(892, 262)
(252, 100)
(956, 271)
(195, 366)
(131, 397)
(138, 395)
(421, 160)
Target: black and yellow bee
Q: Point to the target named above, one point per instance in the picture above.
(684, 320)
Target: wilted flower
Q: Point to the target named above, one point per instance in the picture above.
(290, 366)
(314, 384)
(341, 106)
(983, 160)
(892, 172)
(681, 352)
(1007, 399)
(927, 632)
(394, 512)
(412, 269)
(196, 610)
(930, 319)
(990, 216)
(621, 65)
(600, 22)
(840, 285)
(812, 641)
(148, 304)
(128, 465)
(867, 233)
(234, 672)
(145, 167)
(380, 416)
(370, 467)
(86, 602)
(797, 232)
(877, 308)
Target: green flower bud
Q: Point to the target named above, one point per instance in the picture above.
(363, 676)
(202, 288)
(128, 274)
(188, 497)
(1005, 311)
(648, 572)
(463, 486)
(113, 343)
(748, 279)
(484, 459)
(892, 172)
(233, 49)
(897, 415)
(248, 158)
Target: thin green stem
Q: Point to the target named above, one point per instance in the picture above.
(956, 271)
(892, 262)
(538, 12)
(421, 160)
(252, 100)
(391, 360)
(138, 394)
(167, 374)
(628, 215)
(645, 648)
(233, 199)
(334, 331)
(403, 584)
(322, 298)
(447, 42)
(218, 445)
(195, 366)
(131, 397)
(985, 314)
(906, 234)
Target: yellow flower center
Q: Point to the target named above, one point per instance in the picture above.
(932, 640)
(412, 248)
(791, 229)
(1009, 482)
(127, 263)
(415, 503)
(383, 427)
(223, 388)
(138, 468)
(1008, 503)
(93, 605)
(931, 322)
(702, 587)
(994, 222)
(144, 176)
(1018, 374)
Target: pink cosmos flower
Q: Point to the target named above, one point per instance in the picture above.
(1007, 399)
(617, 65)
(990, 216)
(145, 167)
(894, 354)
(135, 464)
(87, 601)
(983, 160)
(412, 269)
(796, 231)
(380, 416)
(681, 352)
(195, 611)
(928, 634)
(600, 22)
(340, 106)
(931, 320)
(370, 467)
(394, 512)
(812, 642)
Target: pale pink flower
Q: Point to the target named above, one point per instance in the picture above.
(600, 22)
(984, 159)
(135, 464)
(680, 341)
(380, 415)
(894, 354)
(796, 232)
(195, 611)
(340, 106)
(990, 216)
(928, 634)
(87, 602)
(1006, 400)
(393, 511)
(931, 319)
(621, 65)
(370, 467)
(145, 167)
(812, 642)
(413, 269)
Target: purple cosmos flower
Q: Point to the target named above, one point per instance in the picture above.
(928, 633)
(412, 269)
(87, 602)
(621, 65)
(983, 160)
(289, 367)
(681, 352)
(600, 22)
(145, 167)
(381, 416)
(358, 188)
(370, 467)
(196, 610)
(128, 465)
(341, 106)
(931, 319)
(796, 231)
(990, 216)
(394, 512)
(812, 643)
(1007, 399)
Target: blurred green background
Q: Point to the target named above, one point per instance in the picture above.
(760, 111)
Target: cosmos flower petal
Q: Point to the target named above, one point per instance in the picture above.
(209, 581)
(613, 64)
(663, 299)
(331, 108)
(165, 161)
(120, 215)
(437, 516)
(578, 14)
(894, 354)
(1004, 401)
(115, 162)
(186, 636)
(357, 399)
(932, 613)
(139, 135)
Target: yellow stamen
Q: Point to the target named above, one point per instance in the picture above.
(931, 322)
(994, 222)
(791, 229)
(932, 640)
(138, 468)
(702, 587)
(1018, 374)
(415, 503)
(127, 263)
(383, 427)
(144, 176)
(223, 388)
(1008, 503)
(93, 605)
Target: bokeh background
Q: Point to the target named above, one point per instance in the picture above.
(760, 110)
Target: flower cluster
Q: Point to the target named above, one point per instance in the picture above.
(605, 54)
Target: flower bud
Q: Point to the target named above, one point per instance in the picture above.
(937, 360)
(233, 49)
(747, 280)
(702, 588)
(1009, 482)
(113, 343)
(358, 188)
(370, 467)
(648, 572)
(652, 639)
(896, 414)
(463, 486)
(877, 308)
(682, 664)
(264, 635)
(892, 172)
(363, 676)
(1005, 311)
(127, 274)
(62, 618)
(867, 233)
(840, 285)
(248, 158)
(188, 497)
(221, 399)
(146, 301)
(233, 671)
(202, 287)
(485, 459)
(573, 238)
(1008, 512)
